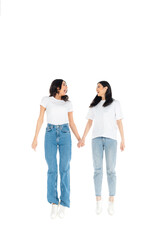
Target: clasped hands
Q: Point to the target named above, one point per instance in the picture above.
(81, 143)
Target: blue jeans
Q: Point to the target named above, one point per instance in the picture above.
(110, 147)
(58, 137)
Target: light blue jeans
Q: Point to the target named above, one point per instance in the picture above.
(58, 137)
(110, 147)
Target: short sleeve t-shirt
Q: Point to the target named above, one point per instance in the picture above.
(56, 110)
(104, 124)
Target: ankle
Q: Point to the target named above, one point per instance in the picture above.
(111, 199)
(98, 198)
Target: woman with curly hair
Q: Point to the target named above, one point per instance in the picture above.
(59, 112)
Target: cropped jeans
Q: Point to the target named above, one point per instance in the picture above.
(58, 137)
(100, 144)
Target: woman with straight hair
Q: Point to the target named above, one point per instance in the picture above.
(107, 116)
(59, 112)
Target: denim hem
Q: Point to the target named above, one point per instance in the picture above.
(65, 205)
(55, 202)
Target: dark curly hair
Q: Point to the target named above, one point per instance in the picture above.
(55, 87)
(108, 96)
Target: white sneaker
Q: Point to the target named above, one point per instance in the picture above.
(54, 211)
(61, 212)
(99, 207)
(110, 208)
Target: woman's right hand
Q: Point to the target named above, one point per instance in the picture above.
(81, 143)
(34, 144)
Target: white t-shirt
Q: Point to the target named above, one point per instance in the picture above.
(57, 110)
(104, 124)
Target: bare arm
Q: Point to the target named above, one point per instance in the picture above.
(120, 126)
(87, 128)
(38, 126)
(73, 126)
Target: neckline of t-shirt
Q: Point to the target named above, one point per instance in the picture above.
(56, 99)
(105, 100)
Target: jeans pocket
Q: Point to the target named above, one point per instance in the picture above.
(65, 129)
(48, 128)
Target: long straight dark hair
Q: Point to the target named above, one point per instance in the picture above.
(57, 83)
(108, 96)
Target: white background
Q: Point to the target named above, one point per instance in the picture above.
(82, 42)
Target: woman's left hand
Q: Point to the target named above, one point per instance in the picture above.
(80, 143)
(122, 146)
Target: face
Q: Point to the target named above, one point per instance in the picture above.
(63, 89)
(101, 90)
